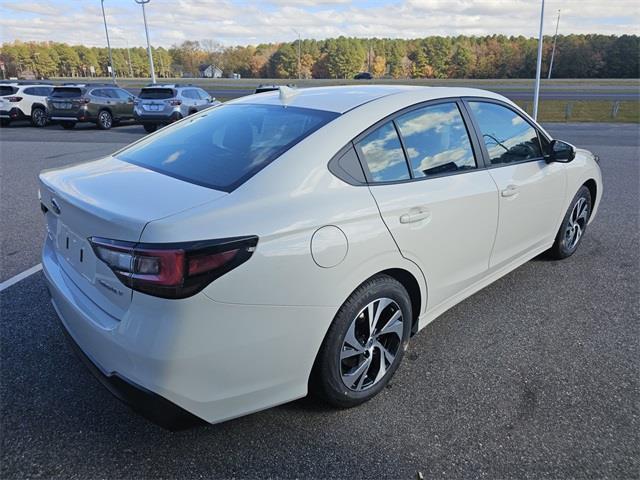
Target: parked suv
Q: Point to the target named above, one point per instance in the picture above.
(164, 104)
(24, 101)
(103, 104)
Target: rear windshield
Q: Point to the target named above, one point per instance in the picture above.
(156, 93)
(66, 92)
(225, 146)
(6, 90)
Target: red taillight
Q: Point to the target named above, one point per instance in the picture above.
(173, 270)
(13, 99)
(175, 103)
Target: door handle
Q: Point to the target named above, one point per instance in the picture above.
(510, 191)
(415, 215)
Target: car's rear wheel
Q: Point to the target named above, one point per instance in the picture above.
(365, 343)
(105, 120)
(4, 122)
(68, 125)
(38, 117)
(150, 127)
(573, 225)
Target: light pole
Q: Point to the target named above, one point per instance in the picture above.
(104, 17)
(146, 31)
(297, 33)
(553, 50)
(129, 58)
(536, 91)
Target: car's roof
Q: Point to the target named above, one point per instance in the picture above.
(341, 99)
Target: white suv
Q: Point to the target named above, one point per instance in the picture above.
(24, 101)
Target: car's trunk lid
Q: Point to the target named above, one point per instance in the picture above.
(110, 199)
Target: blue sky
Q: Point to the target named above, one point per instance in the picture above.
(244, 22)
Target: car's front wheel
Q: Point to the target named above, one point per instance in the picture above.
(365, 343)
(573, 225)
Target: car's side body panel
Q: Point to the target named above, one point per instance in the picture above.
(531, 197)
(452, 243)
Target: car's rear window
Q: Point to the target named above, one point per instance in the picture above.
(6, 90)
(66, 92)
(225, 146)
(156, 93)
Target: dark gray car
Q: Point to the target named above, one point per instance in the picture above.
(105, 105)
(164, 104)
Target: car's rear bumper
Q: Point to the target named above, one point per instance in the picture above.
(216, 361)
(81, 115)
(144, 117)
(154, 407)
(13, 114)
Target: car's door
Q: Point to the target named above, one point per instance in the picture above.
(439, 205)
(29, 97)
(531, 190)
(125, 103)
(101, 98)
(205, 99)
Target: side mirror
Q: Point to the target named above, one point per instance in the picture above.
(560, 151)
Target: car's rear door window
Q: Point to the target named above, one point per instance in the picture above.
(383, 156)
(436, 140)
(156, 93)
(508, 137)
(223, 147)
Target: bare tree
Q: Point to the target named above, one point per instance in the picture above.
(214, 50)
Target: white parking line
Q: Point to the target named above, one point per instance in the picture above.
(20, 276)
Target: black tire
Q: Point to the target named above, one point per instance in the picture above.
(574, 223)
(68, 125)
(105, 120)
(150, 127)
(5, 122)
(326, 379)
(38, 117)
(191, 112)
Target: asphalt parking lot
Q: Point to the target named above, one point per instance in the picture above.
(536, 376)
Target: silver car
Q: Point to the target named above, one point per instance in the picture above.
(164, 104)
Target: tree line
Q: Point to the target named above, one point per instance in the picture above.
(494, 56)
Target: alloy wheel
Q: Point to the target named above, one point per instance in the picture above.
(105, 120)
(371, 344)
(39, 118)
(577, 223)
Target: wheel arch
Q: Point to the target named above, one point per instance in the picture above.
(38, 105)
(411, 285)
(593, 189)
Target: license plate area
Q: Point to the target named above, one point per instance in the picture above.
(62, 105)
(76, 251)
(152, 107)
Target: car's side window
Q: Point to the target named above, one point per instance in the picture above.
(509, 138)
(99, 93)
(436, 140)
(122, 94)
(382, 154)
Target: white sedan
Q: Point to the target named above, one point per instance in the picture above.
(294, 241)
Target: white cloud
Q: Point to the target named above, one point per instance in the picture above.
(171, 21)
